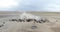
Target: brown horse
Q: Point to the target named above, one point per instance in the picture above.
(13, 20)
(29, 20)
(21, 20)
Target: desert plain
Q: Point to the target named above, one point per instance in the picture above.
(52, 26)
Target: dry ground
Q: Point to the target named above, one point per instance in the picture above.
(52, 26)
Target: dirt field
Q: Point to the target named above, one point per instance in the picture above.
(52, 26)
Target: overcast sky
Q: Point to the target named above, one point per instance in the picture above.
(30, 5)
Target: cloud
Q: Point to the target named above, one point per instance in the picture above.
(8, 4)
(53, 6)
(31, 5)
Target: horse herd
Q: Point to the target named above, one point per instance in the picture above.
(29, 20)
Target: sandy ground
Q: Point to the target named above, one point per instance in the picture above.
(52, 26)
(24, 27)
(10, 26)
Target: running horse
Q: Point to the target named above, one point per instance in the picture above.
(41, 20)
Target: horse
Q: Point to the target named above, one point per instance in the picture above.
(29, 20)
(21, 20)
(13, 20)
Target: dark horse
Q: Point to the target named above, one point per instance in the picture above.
(29, 20)
(21, 20)
(13, 20)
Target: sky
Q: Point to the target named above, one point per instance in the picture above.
(30, 5)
